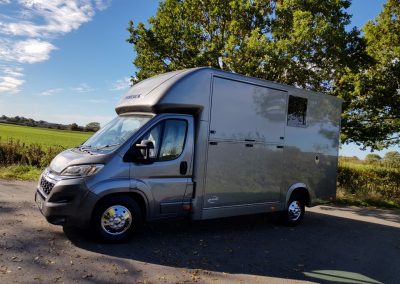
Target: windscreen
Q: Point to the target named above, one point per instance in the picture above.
(116, 132)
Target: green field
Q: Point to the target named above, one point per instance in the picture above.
(43, 136)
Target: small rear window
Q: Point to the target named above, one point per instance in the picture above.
(297, 111)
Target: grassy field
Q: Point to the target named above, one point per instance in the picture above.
(43, 136)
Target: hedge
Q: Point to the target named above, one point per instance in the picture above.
(369, 180)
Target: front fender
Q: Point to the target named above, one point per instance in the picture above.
(115, 186)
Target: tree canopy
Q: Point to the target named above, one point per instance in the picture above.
(302, 43)
(92, 126)
(372, 94)
(392, 159)
(372, 158)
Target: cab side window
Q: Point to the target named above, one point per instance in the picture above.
(168, 138)
(154, 135)
(174, 135)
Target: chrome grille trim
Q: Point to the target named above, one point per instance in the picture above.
(46, 185)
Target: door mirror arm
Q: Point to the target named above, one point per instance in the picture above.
(141, 153)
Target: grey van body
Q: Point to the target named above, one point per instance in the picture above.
(245, 151)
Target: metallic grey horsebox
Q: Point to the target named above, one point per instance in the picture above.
(198, 143)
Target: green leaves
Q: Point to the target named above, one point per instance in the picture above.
(302, 43)
(372, 94)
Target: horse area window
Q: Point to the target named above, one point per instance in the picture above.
(297, 111)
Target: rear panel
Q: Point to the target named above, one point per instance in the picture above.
(311, 150)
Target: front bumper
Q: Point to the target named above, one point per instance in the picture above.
(65, 201)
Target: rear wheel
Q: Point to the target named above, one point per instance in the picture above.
(116, 218)
(295, 211)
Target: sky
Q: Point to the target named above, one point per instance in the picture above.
(68, 61)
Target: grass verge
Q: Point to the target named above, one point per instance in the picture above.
(20, 172)
(345, 198)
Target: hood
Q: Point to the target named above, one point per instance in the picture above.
(74, 156)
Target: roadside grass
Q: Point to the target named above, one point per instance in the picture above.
(20, 172)
(44, 137)
(362, 200)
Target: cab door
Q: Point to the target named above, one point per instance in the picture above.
(169, 176)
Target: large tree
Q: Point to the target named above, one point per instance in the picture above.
(303, 43)
(372, 95)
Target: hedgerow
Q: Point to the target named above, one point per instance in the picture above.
(369, 180)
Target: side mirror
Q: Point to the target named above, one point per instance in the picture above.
(146, 155)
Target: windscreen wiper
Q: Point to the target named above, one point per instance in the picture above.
(84, 147)
(108, 146)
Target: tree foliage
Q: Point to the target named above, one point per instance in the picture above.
(92, 126)
(372, 95)
(373, 158)
(74, 127)
(302, 43)
(392, 159)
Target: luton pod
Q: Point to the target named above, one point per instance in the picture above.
(199, 143)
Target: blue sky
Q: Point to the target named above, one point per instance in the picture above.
(68, 61)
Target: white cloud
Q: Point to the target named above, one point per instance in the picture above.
(121, 84)
(51, 92)
(12, 71)
(102, 4)
(27, 51)
(83, 88)
(10, 84)
(27, 33)
(10, 79)
(53, 17)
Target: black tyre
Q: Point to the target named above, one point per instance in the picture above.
(295, 211)
(116, 218)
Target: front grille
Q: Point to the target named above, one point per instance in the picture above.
(46, 185)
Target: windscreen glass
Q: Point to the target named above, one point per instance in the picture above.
(116, 132)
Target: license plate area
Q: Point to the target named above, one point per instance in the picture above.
(39, 200)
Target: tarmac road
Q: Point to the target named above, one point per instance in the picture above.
(332, 245)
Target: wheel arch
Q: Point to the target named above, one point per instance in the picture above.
(299, 188)
(136, 195)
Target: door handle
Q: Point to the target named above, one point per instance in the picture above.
(183, 168)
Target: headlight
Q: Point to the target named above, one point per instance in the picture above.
(81, 170)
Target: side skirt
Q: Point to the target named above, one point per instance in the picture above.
(243, 209)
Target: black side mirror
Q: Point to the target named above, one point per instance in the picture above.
(145, 148)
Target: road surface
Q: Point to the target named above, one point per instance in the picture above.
(332, 245)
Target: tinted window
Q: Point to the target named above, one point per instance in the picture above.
(154, 136)
(297, 111)
(171, 134)
(173, 139)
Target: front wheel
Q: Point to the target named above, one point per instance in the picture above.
(294, 212)
(116, 218)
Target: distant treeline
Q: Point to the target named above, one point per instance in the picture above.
(389, 160)
(20, 120)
